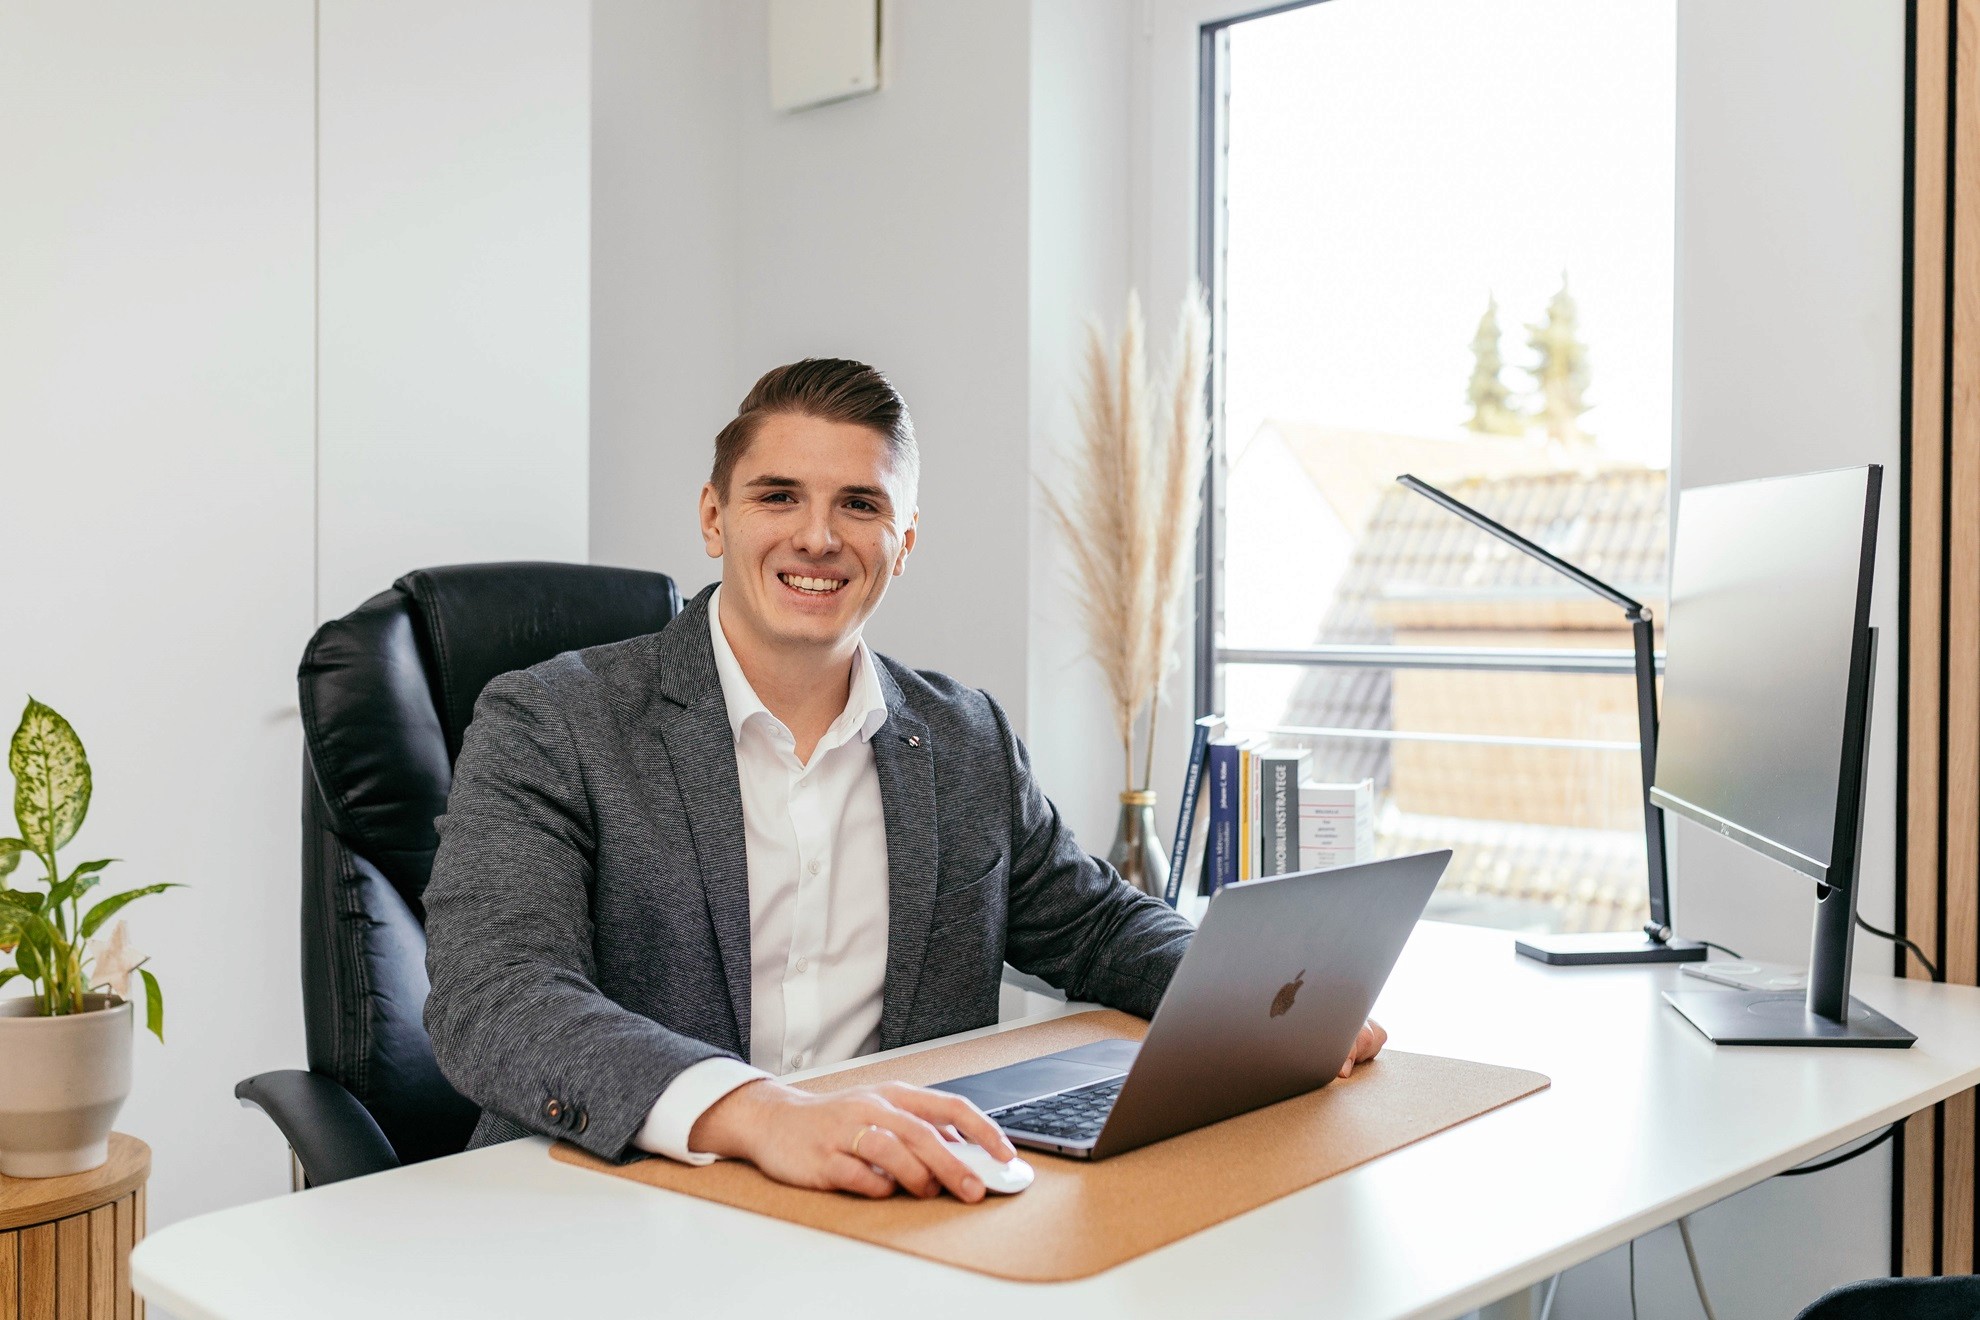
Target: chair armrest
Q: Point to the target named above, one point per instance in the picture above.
(334, 1137)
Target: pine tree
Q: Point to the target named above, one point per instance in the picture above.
(1492, 412)
(1560, 369)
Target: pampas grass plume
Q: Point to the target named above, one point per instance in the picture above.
(1128, 518)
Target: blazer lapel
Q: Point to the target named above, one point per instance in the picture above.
(906, 766)
(702, 748)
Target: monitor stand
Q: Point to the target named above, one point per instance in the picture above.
(1622, 946)
(1827, 1014)
(1760, 1017)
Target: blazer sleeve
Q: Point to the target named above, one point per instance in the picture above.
(1073, 921)
(518, 1023)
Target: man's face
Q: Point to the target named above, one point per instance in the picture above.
(811, 531)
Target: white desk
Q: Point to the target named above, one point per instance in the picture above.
(1646, 1121)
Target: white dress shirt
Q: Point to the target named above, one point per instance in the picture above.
(817, 850)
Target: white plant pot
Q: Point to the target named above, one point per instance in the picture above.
(62, 1081)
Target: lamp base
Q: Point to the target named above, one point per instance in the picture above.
(1747, 1017)
(1607, 948)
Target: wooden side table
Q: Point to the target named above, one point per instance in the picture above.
(65, 1243)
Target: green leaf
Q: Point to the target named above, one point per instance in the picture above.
(10, 855)
(80, 882)
(51, 779)
(27, 960)
(25, 899)
(154, 1011)
(109, 907)
(8, 973)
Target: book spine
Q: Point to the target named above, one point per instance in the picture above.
(1186, 810)
(1223, 768)
(1279, 795)
(1247, 814)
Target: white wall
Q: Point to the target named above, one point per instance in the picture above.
(159, 398)
(155, 422)
(455, 208)
(664, 372)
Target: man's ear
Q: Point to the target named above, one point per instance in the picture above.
(711, 520)
(907, 543)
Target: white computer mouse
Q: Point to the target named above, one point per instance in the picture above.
(1005, 1176)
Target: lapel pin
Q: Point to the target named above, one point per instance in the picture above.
(912, 740)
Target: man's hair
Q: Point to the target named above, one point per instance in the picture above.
(832, 390)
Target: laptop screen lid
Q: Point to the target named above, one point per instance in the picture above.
(1267, 1001)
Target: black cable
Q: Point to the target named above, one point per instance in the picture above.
(1632, 1279)
(1721, 948)
(1916, 952)
(1844, 1158)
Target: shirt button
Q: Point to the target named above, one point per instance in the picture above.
(803, 964)
(814, 866)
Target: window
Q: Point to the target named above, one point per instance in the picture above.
(1440, 242)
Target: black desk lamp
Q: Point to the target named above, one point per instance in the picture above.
(1654, 944)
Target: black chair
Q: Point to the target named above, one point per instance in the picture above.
(387, 692)
(1956, 1297)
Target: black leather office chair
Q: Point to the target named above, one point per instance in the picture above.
(387, 692)
(1955, 1297)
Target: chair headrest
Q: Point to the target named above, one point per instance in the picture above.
(480, 620)
(387, 691)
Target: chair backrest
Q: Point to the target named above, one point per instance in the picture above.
(387, 692)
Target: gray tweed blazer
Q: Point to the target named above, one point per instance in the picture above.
(588, 914)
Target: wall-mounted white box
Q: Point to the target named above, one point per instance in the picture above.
(823, 51)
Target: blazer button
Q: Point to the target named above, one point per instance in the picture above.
(583, 1121)
(554, 1111)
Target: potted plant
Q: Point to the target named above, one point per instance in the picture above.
(65, 1047)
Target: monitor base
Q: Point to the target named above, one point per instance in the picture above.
(1750, 1017)
(1623, 946)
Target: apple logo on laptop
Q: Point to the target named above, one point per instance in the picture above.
(1283, 1001)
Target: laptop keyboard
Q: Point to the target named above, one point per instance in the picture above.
(1076, 1115)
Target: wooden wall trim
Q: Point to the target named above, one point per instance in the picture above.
(1933, 1219)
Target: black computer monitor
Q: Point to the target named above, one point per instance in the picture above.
(1769, 658)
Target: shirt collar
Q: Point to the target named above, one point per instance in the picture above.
(866, 704)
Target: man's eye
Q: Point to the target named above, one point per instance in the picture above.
(776, 495)
(864, 506)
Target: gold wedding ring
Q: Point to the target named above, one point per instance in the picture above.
(869, 1128)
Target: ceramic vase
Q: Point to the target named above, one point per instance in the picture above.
(62, 1081)
(1136, 854)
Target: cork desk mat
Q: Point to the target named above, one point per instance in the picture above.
(1081, 1217)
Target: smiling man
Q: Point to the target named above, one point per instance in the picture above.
(674, 867)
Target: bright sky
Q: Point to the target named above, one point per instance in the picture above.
(1394, 161)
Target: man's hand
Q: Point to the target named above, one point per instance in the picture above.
(1368, 1043)
(808, 1140)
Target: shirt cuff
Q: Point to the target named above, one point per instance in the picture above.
(694, 1090)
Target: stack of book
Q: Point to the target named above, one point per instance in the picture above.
(1249, 811)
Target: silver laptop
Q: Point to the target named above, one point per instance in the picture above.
(1265, 1006)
